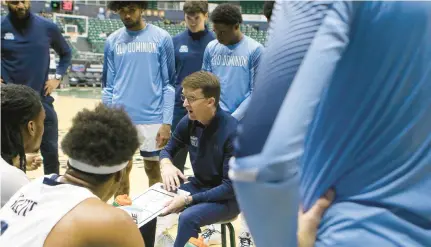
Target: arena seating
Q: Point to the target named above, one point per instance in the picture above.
(251, 7)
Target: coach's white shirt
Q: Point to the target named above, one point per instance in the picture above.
(11, 180)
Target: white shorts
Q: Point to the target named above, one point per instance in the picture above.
(147, 134)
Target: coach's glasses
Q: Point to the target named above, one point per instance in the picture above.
(190, 99)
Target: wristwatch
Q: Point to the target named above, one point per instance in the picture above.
(58, 77)
(187, 201)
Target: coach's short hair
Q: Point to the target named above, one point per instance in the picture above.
(101, 137)
(227, 14)
(208, 82)
(195, 7)
(117, 5)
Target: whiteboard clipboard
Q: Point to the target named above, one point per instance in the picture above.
(150, 204)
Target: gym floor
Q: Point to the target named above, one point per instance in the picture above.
(68, 102)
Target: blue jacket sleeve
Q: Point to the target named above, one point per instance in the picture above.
(254, 60)
(108, 76)
(225, 190)
(168, 76)
(60, 46)
(206, 65)
(274, 174)
(178, 140)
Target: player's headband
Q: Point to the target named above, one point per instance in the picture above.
(102, 170)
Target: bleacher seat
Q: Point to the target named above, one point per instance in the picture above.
(251, 7)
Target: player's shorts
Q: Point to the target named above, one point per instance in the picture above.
(147, 134)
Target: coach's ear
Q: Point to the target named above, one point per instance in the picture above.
(236, 26)
(211, 102)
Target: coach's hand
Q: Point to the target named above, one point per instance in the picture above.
(308, 222)
(176, 205)
(163, 135)
(170, 175)
(51, 85)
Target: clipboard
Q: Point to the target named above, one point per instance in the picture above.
(150, 204)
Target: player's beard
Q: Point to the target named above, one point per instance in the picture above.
(18, 17)
(131, 25)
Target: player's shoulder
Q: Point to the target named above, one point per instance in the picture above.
(114, 35)
(180, 37)
(213, 44)
(252, 43)
(4, 20)
(160, 31)
(94, 220)
(93, 212)
(44, 21)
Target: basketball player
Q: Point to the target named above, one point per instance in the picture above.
(138, 75)
(234, 58)
(71, 210)
(293, 37)
(22, 127)
(26, 39)
(357, 118)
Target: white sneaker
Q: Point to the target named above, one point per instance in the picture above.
(164, 240)
(245, 240)
(211, 235)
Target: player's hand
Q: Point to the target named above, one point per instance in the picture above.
(175, 205)
(163, 135)
(34, 161)
(308, 223)
(51, 85)
(170, 175)
(2, 81)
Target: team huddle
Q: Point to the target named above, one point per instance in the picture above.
(322, 138)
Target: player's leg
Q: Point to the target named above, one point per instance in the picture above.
(125, 182)
(49, 145)
(203, 214)
(152, 168)
(150, 151)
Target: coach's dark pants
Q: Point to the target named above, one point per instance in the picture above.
(193, 218)
(180, 158)
(202, 214)
(49, 145)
